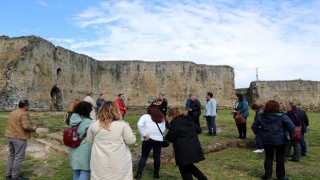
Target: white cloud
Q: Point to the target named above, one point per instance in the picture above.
(42, 3)
(278, 37)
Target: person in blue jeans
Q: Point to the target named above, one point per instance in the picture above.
(258, 109)
(80, 156)
(305, 123)
(210, 112)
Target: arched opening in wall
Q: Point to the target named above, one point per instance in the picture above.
(56, 96)
(58, 72)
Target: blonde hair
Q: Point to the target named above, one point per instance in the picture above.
(109, 112)
(73, 105)
(174, 112)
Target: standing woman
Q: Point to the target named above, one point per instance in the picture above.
(148, 126)
(183, 133)
(70, 111)
(272, 127)
(80, 156)
(110, 136)
(242, 107)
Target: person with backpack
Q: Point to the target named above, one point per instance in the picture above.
(80, 156)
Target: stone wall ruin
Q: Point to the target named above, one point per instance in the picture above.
(32, 66)
(304, 93)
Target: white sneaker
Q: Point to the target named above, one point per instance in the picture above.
(258, 151)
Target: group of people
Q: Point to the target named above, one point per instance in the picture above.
(278, 132)
(106, 136)
(96, 105)
(275, 132)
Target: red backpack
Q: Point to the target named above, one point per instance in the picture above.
(71, 137)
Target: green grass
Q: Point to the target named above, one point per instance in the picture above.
(231, 163)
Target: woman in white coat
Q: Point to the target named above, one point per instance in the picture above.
(110, 136)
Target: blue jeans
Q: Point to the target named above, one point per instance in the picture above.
(211, 122)
(258, 141)
(79, 174)
(146, 148)
(303, 145)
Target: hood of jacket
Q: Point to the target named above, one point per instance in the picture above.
(272, 117)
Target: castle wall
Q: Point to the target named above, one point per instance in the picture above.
(33, 66)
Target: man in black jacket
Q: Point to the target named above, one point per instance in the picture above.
(194, 109)
(162, 103)
(295, 143)
(304, 124)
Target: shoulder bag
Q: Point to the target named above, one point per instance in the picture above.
(239, 118)
(165, 143)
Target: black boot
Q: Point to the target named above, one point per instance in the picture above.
(156, 175)
(214, 133)
(138, 175)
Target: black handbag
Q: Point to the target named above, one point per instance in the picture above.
(165, 143)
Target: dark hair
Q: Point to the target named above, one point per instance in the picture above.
(83, 109)
(240, 96)
(155, 113)
(101, 94)
(256, 106)
(23, 103)
(120, 94)
(272, 106)
(191, 95)
(210, 94)
(293, 105)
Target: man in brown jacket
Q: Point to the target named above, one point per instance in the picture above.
(18, 130)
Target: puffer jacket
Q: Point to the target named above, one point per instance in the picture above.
(271, 128)
(183, 134)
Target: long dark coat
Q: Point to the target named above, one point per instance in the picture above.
(183, 134)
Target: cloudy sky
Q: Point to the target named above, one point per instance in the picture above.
(281, 38)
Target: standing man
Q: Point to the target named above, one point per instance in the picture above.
(99, 102)
(302, 115)
(210, 113)
(121, 105)
(162, 103)
(193, 106)
(292, 113)
(18, 130)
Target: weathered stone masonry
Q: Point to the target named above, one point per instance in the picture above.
(304, 93)
(31, 66)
